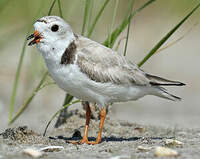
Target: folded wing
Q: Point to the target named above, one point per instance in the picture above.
(102, 64)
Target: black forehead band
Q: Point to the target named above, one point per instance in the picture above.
(40, 20)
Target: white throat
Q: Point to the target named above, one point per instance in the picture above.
(52, 50)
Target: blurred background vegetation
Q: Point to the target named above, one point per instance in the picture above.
(178, 62)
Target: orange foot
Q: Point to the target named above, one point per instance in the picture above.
(84, 141)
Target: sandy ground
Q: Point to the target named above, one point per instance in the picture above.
(120, 140)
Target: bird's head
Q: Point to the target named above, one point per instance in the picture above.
(51, 31)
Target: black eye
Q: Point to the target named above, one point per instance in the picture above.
(54, 28)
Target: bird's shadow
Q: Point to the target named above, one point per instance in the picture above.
(110, 139)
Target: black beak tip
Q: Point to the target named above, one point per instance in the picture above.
(30, 37)
(31, 43)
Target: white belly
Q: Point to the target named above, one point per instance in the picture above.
(70, 79)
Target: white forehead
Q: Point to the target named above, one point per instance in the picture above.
(47, 21)
(50, 19)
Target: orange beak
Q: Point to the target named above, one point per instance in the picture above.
(37, 37)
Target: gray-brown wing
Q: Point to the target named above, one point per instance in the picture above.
(102, 64)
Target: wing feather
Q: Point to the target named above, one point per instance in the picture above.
(102, 64)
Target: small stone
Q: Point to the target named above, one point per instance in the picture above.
(52, 148)
(32, 152)
(165, 152)
(120, 157)
(77, 134)
(143, 149)
(140, 129)
(173, 142)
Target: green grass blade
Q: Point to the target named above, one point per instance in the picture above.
(14, 91)
(144, 5)
(64, 107)
(130, 8)
(113, 21)
(86, 13)
(123, 25)
(51, 8)
(127, 37)
(118, 43)
(91, 29)
(18, 72)
(162, 41)
(63, 114)
(30, 98)
(68, 99)
(60, 9)
(90, 16)
(177, 40)
(128, 30)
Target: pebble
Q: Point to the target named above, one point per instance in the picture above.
(52, 148)
(140, 129)
(144, 149)
(32, 152)
(120, 157)
(172, 142)
(165, 152)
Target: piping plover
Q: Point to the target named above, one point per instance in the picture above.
(91, 71)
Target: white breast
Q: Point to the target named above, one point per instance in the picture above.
(70, 79)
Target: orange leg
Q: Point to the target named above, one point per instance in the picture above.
(85, 137)
(88, 116)
(102, 119)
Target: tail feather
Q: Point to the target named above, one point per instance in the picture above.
(158, 81)
(164, 94)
